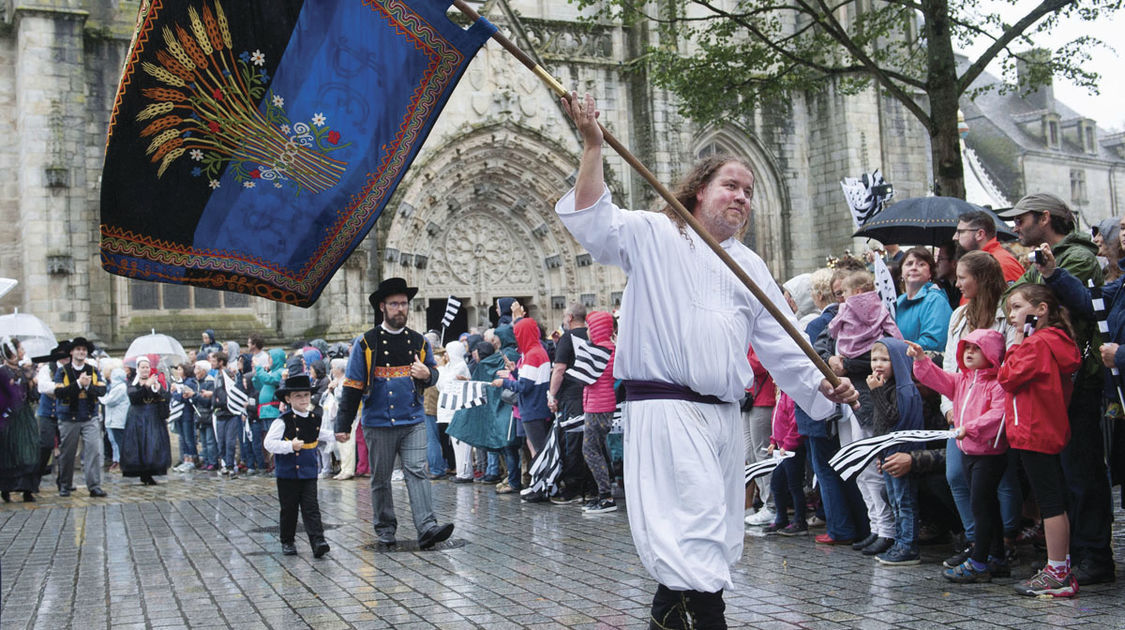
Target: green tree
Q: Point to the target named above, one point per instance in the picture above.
(724, 58)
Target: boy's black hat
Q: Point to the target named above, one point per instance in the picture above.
(294, 384)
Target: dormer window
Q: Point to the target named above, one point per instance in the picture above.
(1088, 136)
(1052, 134)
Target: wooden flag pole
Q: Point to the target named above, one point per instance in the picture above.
(680, 210)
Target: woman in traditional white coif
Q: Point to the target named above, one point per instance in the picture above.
(146, 450)
(455, 369)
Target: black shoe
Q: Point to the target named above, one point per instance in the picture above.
(434, 535)
(462, 480)
(879, 546)
(28, 497)
(860, 544)
(1088, 573)
(492, 478)
(64, 492)
(98, 493)
(958, 558)
(6, 496)
(288, 549)
(388, 541)
(321, 548)
(534, 497)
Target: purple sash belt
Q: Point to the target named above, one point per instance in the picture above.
(655, 390)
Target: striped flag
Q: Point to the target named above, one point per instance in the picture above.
(546, 467)
(236, 398)
(854, 457)
(589, 361)
(573, 424)
(176, 409)
(452, 306)
(463, 395)
(766, 466)
(617, 415)
(1098, 302)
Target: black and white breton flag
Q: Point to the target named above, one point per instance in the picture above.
(176, 409)
(766, 466)
(547, 466)
(852, 458)
(452, 305)
(463, 395)
(573, 423)
(236, 398)
(589, 361)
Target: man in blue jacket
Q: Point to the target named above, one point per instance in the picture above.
(389, 367)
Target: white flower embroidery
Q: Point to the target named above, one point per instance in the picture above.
(277, 184)
(247, 184)
(318, 119)
(278, 101)
(285, 129)
(197, 155)
(258, 58)
(214, 183)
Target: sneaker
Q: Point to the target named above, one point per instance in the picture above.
(773, 528)
(593, 503)
(863, 542)
(816, 521)
(534, 497)
(504, 488)
(958, 558)
(999, 567)
(1032, 535)
(880, 545)
(182, 467)
(601, 507)
(898, 556)
(764, 516)
(491, 478)
(462, 480)
(1046, 583)
(795, 529)
(967, 573)
(224, 471)
(564, 499)
(826, 539)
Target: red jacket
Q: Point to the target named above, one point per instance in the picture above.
(764, 391)
(599, 397)
(1037, 376)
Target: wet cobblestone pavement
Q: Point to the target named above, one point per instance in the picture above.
(199, 551)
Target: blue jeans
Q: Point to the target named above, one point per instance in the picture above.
(434, 457)
(902, 495)
(492, 470)
(229, 429)
(210, 448)
(187, 436)
(115, 438)
(787, 485)
(512, 462)
(252, 447)
(844, 510)
(1009, 493)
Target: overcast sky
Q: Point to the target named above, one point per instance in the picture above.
(1108, 106)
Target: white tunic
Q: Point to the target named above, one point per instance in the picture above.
(687, 320)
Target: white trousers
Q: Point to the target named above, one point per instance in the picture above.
(757, 426)
(685, 488)
(463, 453)
(871, 485)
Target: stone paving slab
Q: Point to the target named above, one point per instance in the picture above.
(199, 551)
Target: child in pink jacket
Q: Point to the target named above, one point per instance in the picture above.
(787, 484)
(978, 416)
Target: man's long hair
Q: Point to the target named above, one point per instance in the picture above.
(696, 179)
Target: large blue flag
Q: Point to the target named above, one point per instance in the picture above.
(253, 144)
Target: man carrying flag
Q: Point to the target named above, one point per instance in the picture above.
(681, 410)
(230, 404)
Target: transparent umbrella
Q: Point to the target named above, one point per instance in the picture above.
(34, 335)
(169, 351)
(7, 284)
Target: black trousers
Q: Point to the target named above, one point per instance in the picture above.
(1090, 502)
(576, 475)
(294, 494)
(687, 610)
(983, 473)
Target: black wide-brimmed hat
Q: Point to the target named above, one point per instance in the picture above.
(81, 341)
(61, 351)
(294, 384)
(389, 287)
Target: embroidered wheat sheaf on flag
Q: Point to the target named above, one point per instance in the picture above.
(452, 306)
(589, 361)
(463, 395)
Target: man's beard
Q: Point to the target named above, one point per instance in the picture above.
(397, 320)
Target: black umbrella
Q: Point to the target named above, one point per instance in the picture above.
(924, 221)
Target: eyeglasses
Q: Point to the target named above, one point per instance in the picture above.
(397, 304)
(959, 230)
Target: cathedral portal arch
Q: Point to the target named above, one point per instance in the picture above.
(769, 233)
(476, 220)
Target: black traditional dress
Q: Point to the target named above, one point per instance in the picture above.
(19, 434)
(146, 450)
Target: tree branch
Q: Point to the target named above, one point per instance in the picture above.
(1046, 7)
